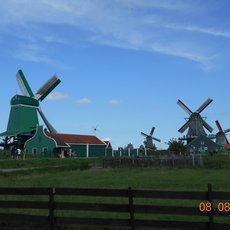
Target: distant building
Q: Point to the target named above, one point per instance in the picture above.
(44, 143)
(108, 149)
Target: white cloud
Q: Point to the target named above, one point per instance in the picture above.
(55, 96)
(163, 4)
(199, 29)
(52, 39)
(31, 52)
(187, 52)
(36, 52)
(129, 24)
(83, 101)
(114, 102)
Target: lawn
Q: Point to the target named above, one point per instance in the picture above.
(81, 173)
(76, 173)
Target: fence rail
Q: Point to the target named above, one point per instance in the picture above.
(153, 161)
(130, 208)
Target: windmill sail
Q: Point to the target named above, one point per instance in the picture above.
(184, 107)
(204, 105)
(227, 130)
(207, 126)
(23, 84)
(47, 123)
(144, 134)
(226, 139)
(152, 131)
(156, 139)
(47, 88)
(218, 126)
(184, 127)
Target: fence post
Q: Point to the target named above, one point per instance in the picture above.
(131, 208)
(51, 207)
(211, 213)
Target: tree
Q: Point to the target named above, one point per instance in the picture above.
(176, 146)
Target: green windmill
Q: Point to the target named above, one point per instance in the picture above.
(23, 118)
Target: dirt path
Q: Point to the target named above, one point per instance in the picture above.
(17, 169)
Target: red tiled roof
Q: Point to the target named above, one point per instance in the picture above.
(59, 141)
(75, 139)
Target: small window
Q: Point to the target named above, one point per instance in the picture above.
(45, 150)
(34, 150)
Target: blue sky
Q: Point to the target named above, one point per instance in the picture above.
(123, 63)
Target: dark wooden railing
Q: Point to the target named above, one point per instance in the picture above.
(122, 208)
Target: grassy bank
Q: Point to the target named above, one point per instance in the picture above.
(138, 178)
(150, 178)
(81, 173)
(76, 172)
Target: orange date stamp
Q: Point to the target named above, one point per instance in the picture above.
(220, 208)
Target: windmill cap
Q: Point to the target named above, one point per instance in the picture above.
(23, 100)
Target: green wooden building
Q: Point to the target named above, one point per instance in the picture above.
(44, 143)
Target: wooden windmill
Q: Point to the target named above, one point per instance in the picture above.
(149, 139)
(221, 138)
(23, 118)
(195, 124)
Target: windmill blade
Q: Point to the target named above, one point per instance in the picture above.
(184, 107)
(184, 127)
(226, 130)
(204, 105)
(152, 130)
(226, 139)
(47, 87)
(144, 134)
(218, 126)
(154, 138)
(48, 125)
(23, 84)
(207, 126)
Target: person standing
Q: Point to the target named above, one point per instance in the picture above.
(18, 153)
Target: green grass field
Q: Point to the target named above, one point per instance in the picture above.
(81, 173)
(78, 173)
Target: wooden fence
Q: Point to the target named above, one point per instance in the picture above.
(121, 208)
(173, 161)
